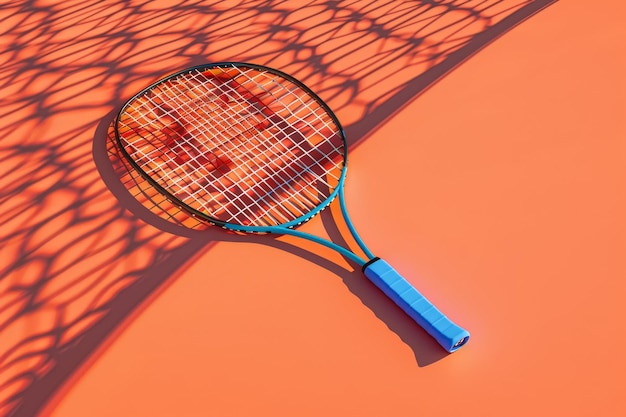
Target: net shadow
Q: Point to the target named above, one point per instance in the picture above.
(82, 250)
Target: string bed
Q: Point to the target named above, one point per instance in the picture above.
(240, 145)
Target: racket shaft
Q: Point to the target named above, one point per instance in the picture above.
(449, 335)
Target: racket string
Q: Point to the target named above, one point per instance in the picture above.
(172, 178)
(279, 172)
(202, 130)
(163, 170)
(274, 154)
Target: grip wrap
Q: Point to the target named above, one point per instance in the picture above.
(449, 335)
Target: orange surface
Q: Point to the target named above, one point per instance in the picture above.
(493, 134)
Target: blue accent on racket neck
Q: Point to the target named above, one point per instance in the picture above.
(324, 242)
(286, 229)
(346, 218)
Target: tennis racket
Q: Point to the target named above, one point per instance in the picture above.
(253, 150)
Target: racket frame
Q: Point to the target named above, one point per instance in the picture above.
(215, 221)
(450, 336)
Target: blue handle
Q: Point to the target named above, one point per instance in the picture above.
(449, 335)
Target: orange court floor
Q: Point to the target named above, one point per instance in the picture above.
(487, 164)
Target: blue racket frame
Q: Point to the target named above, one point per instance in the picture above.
(448, 334)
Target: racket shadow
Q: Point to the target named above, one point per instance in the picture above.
(425, 349)
(134, 195)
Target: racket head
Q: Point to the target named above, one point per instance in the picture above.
(242, 146)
